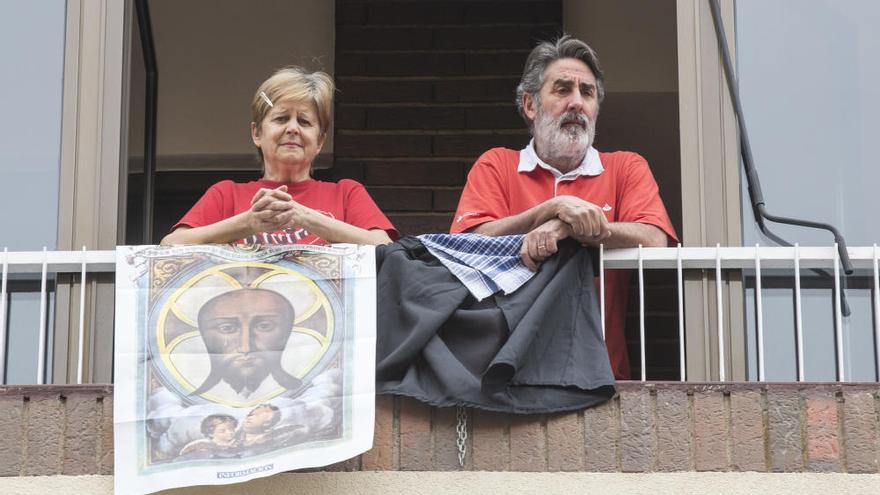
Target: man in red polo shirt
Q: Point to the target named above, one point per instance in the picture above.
(559, 186)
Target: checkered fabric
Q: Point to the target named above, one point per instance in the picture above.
(483, 264)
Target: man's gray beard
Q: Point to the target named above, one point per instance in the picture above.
(562, 145)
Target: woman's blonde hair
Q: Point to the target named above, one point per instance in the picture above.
(295, 84)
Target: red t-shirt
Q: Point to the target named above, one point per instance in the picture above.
(625, 190)
(346, 200)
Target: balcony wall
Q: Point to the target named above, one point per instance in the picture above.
(653, 427)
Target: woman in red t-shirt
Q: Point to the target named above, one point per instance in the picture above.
(291, 115)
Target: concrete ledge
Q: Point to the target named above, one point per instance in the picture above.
(456, 483)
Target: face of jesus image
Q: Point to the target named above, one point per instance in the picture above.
(245, 332)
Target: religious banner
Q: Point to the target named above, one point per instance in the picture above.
(233, 363)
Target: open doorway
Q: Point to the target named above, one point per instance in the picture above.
(637, 43)
(211, 55)
(424, 89)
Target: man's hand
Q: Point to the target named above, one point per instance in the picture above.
(540, 243)
(587, 221)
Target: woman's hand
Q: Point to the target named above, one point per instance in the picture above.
(271, 210)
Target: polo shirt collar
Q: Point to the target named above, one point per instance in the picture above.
(590, 165)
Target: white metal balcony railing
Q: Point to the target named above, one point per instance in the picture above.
(681, 258)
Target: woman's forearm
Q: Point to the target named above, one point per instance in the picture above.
(334, 231)
(227, 230)
(239, 227)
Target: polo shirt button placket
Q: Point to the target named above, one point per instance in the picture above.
(559, 179)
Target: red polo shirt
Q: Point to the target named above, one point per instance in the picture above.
(621, 183)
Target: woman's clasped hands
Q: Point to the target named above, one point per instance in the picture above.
(275, 209)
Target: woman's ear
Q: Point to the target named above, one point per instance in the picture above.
(321, 141)
(255, 134)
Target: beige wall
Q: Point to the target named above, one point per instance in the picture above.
(384, 483)
(635, 39)
(212, 55)
(637, 45)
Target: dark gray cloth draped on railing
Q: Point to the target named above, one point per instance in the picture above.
(538, 350)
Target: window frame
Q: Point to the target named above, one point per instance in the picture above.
(94, 108)
(711, 202)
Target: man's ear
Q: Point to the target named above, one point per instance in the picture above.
(255, 134)
(529, 106)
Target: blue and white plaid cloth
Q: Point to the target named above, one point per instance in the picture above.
(483, 264)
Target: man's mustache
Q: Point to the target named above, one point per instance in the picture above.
(574, 118)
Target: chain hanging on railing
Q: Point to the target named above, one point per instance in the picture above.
(461, 429)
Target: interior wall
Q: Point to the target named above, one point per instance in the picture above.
(637, 44)
(635, 41)
(212, 55)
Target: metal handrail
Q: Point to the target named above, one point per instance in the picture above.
(680, 258)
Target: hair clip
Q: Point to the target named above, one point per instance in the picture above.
(266, 99)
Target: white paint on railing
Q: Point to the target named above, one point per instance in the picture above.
(759, 313)
(642, 315)
(692, 258)
(799, 321)
(3, 278)
(602, 288)
(41, 350)
(62, 261)
(838, 320)
(681, 355)
(80, 355)
(736, 257)
(876, 313)
(720, 311)
(679, 258)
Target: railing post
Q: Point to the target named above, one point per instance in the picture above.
(720, 311)
(642, 314)
(681, 353)
(876, 313)
(3, 279)
(41, 349)
(82, 312)
(799, 323)
(760, 313)
(838, 319)
(602, 288)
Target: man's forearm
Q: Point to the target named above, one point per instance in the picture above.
(631, 234)
(520, 223)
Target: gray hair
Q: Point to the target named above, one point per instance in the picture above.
(547, 52)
